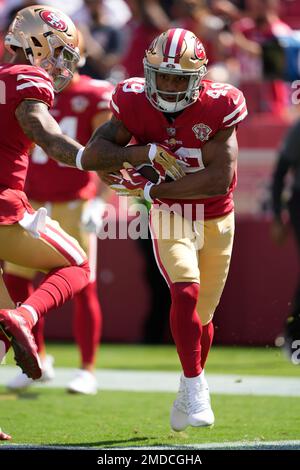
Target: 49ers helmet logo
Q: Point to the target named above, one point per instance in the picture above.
(53, 20)
(199, 50)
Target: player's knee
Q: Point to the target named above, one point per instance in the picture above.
(185, 293)
(206, 312)
(206, 317)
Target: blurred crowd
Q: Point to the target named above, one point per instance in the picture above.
(253, 44)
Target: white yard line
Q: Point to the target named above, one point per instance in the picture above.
(234, 445)
(144, 381)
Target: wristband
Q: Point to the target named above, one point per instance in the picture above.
(78, 158)
(152, 152)
(147, 190)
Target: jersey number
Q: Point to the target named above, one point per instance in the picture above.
(219, 90)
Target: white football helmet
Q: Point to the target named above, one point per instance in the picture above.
(179, 52)
(49, 40)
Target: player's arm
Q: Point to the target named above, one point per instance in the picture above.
(287, 160)
(279, 227)
(106, 150)
(282, 168)
(103, 190)
(219, 157)
(288, 156)
(40, 127)
(107, 145)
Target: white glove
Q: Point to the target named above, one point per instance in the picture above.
(92, 216)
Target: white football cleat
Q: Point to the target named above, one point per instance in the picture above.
(21, 381)
(179, 417)
(192, 405)
(48, 372)
(198, 401)
(84, 382)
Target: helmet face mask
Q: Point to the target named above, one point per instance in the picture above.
(61, 63)
(49, 40)
(175, 52)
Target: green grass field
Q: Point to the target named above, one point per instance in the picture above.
(222, 360)
(117, 419)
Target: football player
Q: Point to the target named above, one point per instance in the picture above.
(197, 119)
(288, 162)
(43, 43)
(70, 196)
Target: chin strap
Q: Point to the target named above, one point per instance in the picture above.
(26, 48)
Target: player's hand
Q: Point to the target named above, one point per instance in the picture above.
(165, 162)
(4, 436)
(133, 184)
(92, 216)
(279, 232)
(104, 176)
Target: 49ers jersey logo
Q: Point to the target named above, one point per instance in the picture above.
(53, 20)
(201, 131)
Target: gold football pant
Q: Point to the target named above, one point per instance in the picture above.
(194, 251)
(56, 246)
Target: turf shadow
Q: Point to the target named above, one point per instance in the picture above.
(98, 443)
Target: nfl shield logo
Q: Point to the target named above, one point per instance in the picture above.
(201, 131)
(79, 104)
(171, 131)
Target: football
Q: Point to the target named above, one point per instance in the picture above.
(149, 172)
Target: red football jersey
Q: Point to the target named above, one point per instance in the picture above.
(219, 106)
(74, 109)
(17, 82)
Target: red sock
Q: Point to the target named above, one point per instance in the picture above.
(59, 286)
(38, 333)
(186, 326)
(206, 341)
(87, 322)
(19, 288)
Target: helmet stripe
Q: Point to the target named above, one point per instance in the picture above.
(168, 44)
(176, 44)
(179, 45)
